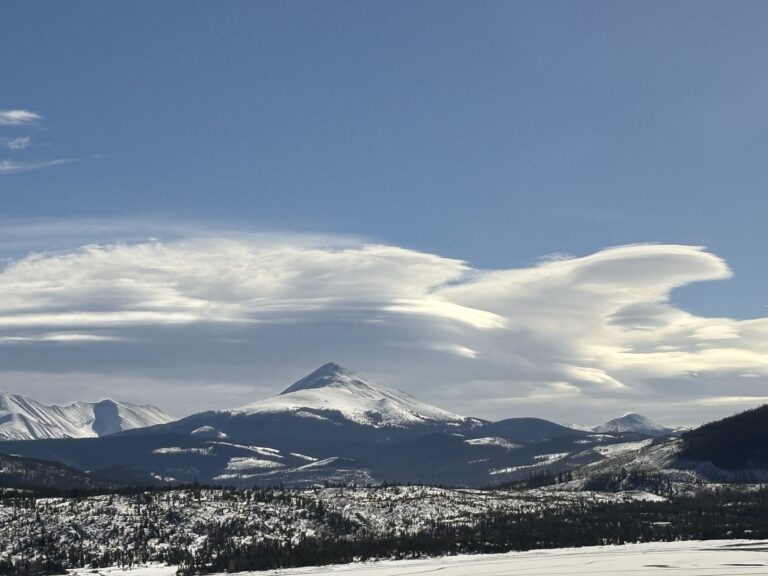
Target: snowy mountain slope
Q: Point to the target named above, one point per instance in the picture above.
(331, 412)
(633, 422)
(356, 398)
(654, 465)
(22, 418)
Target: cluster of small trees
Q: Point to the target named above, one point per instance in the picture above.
(547, 477)
(633, 480)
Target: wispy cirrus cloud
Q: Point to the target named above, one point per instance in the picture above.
(20, 143)
(18, 117)
(8, 166)
(13, 119)
(580, 338)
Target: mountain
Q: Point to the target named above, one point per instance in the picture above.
(22, 418)
(332, 426)
(526, 430)
(336, 426)
(633, 422)
(333, 390)
(330, 409)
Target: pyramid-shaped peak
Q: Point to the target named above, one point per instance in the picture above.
(327, 375)
(352, 397)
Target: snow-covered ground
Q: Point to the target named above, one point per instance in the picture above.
(713, 558)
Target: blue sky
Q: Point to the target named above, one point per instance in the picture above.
(496, 133)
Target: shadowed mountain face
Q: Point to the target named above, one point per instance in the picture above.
(106, 418)
(29, 473)
(331, 426)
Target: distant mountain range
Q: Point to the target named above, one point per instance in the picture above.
(22, 418)
(332, 426)
(734, 449)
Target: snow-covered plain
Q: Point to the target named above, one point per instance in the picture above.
(693, 558)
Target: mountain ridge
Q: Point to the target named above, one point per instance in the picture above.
(335, 426)
(24, 418)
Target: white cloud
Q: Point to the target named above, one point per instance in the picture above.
(55, 337)
(11, 166)
(573, 339)
(18, 117)
(19, 143)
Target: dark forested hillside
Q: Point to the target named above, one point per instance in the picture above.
(736, 443)
(18, 472)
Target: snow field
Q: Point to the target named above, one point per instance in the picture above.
(693, 558)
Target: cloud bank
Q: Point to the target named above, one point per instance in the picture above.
(205, 322)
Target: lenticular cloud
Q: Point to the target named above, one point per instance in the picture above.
(241, 316)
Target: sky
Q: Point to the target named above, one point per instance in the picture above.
(550, 209)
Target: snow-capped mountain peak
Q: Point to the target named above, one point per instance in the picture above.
(23, 418)
(328, 375)
(633, 422)
(334, 389)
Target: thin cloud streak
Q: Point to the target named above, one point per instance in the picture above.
(8, 166)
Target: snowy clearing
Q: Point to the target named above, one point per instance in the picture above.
(714, 558)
